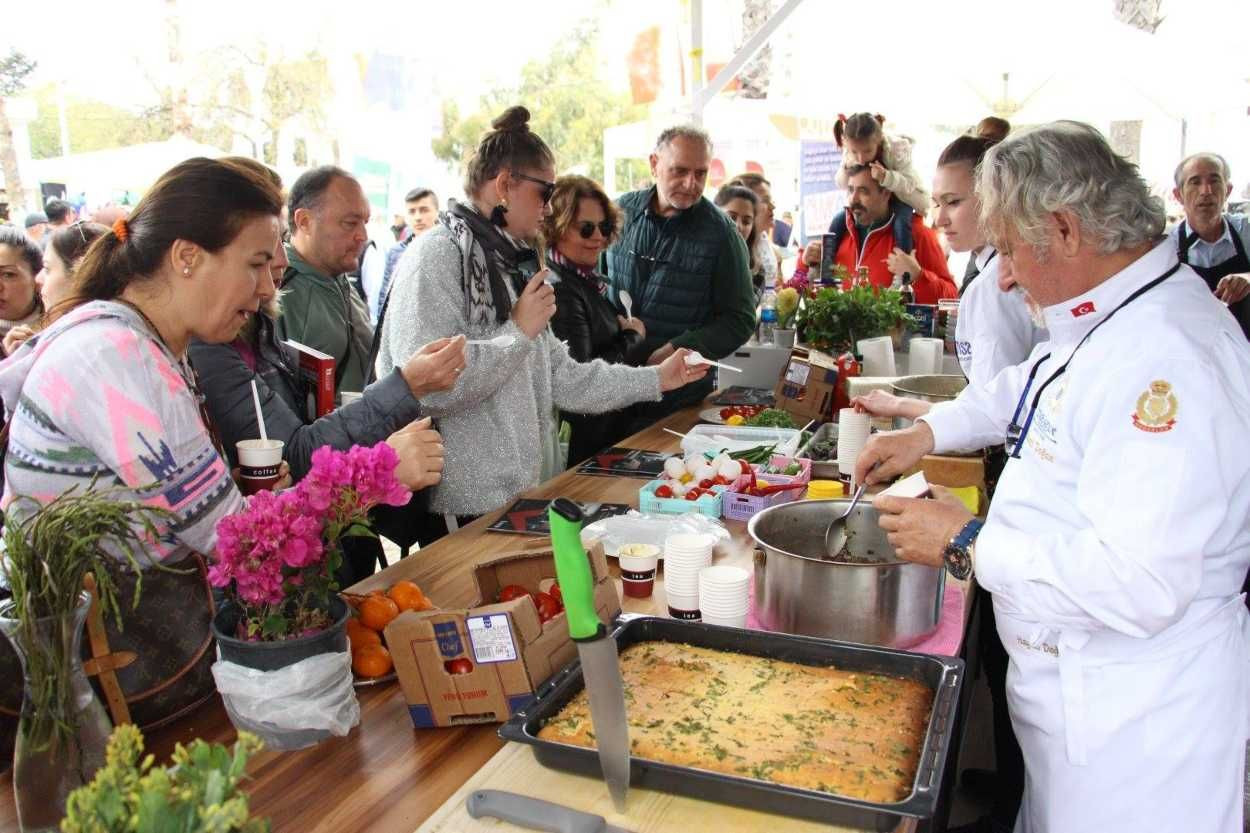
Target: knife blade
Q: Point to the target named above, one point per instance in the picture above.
(601, 670)
(535, 813)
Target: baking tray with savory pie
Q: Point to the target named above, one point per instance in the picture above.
(834, 731)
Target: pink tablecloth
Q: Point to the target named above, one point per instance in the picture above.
(945, 641)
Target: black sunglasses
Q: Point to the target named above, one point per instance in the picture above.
(587, 228)
(549, 188)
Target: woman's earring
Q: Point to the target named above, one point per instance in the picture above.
(497, 214)
(186, 270)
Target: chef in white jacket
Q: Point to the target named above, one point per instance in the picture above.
(1118, 540)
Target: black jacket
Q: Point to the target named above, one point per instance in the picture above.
(225, 379)
(587, 321)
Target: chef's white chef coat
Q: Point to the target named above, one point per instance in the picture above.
(993, 329)
(1115, 548)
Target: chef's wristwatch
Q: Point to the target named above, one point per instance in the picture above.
(958, 553)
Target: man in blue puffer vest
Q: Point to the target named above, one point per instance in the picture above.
(683, 264)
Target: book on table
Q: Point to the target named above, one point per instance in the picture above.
(316, 379)
(528, 516)
(625, 462)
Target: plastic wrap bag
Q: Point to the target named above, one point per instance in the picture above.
(292, 707)
(638, 528)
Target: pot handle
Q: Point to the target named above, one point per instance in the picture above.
(944, 706)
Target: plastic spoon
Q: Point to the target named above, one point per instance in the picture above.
(627, 302)
(696, 357)
(497, 341)
(260, 415)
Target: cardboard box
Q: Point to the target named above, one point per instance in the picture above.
(510, 651)
(808, 385)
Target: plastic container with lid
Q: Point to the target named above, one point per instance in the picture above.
(825, 490)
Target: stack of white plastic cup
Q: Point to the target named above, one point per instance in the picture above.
(723, 595)
(684, 556)
(853, 429)
(924, 356)
(878, 355)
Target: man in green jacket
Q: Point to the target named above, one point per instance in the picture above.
(683, 263)
(328, 211)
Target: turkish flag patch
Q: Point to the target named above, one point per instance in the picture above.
(1082, 309)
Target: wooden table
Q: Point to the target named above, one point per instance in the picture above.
(385, 775)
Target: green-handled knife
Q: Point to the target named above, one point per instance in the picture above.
(601, 670)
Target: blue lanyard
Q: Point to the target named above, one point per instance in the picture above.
(1015, 432)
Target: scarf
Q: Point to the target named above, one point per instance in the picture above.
(487, 254)
(590, 275)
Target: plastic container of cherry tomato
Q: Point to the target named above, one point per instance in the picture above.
(709, 505)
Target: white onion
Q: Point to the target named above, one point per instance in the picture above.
(730, 470)
(674, 467)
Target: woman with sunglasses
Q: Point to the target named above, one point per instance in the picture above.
(583, 222)
(473, 274)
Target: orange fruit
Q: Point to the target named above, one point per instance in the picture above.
(372, 661)
(359, 635)
(377, 611)
(408, 596)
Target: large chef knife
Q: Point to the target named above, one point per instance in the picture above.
(601, 670)
(535, 813)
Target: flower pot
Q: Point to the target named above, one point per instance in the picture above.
(784, 337)
(288, 708)
(270, 656)
(49, 761)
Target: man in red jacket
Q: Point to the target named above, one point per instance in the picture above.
(870, 240)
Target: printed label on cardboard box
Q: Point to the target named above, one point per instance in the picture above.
(797, 373)
(491, 637)
(448, 637)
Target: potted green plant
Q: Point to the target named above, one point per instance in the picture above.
(276, 561)
(198, 793)
(833, 321)
(49, 548)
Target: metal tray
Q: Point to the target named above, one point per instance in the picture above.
(824, 469)
(944, 675)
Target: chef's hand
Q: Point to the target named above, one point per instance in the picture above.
(899, 261)
(811, 255)
(1230, 290)
(536, 305)
(434, 367)
(674, 372)
(661, 354)
(632, 324)
(895, 451)
(878, 403)
(13, 338)
(918, 528)
(420, 451)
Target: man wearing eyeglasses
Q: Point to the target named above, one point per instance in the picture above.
(684, 265)
(1117, 541)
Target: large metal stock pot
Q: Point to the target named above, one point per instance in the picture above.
(934, 388)
(883, 601)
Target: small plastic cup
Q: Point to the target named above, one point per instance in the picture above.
(260, 462)
(638, 564)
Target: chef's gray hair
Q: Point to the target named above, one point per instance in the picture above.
(1207, 156)
(683, 131)
(1066, 166)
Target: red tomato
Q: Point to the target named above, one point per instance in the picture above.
(663, 490)
(547, 606)
(719, 481)
(694, 494)
(726, 413)
(706, 483)
(459, 665)
(512, 591)
(555, 593)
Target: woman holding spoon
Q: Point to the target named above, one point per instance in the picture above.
(583, 222)
(474, 274)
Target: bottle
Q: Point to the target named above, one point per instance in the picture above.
(909, 294)
(768, 317)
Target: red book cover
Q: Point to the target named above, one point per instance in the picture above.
(316, 372)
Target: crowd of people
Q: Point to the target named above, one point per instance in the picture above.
(1116, 543)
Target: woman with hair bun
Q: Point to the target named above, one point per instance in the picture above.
(475, 273)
